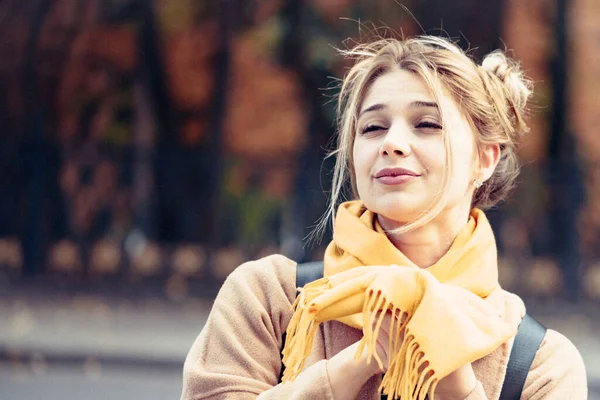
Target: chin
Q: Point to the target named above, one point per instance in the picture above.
(401, 211)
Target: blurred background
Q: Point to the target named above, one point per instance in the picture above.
(149, 147)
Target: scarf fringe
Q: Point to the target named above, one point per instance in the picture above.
(302, 329)
(409, 375)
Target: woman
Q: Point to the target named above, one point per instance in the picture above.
(427, 139)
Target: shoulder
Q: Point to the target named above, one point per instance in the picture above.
(554, 343)
(271, 279)
(557, 371)
(557, 347)
(557, 359)
(557, 368)
(270, 270)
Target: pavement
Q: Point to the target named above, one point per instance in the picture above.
(93, 347)
(82, 346)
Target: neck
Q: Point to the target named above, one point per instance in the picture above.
(425, 245)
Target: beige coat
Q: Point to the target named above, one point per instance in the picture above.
(237, 354)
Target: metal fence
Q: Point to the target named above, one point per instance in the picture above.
(176, 139)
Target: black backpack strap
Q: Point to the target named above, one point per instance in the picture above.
(529, 337)
(305, 273)
(308, 272)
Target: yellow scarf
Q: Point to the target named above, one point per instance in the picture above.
(449, 323)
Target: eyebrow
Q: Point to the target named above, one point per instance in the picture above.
(414, 104)
(374, 107)
(417, 104)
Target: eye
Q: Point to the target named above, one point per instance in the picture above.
(372, 128)
(429, 125)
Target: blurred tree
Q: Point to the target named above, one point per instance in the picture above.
(564, 177)
(475, 25)
(36, 144)
(583, 101)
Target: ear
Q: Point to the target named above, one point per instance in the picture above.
(488, 159)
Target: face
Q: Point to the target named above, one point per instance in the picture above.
(399, 156)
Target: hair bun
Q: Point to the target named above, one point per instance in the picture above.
(518, 89)
(497, 63)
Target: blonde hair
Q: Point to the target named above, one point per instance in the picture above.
(493, 97)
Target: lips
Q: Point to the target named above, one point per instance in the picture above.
(394, 172)
(395, 176)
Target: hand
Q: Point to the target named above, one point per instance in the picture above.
(458, 385)
(383, 339)
(346, 375)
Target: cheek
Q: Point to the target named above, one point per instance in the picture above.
(357, 166)
(433, 157)
(464, 164)
(362, 158)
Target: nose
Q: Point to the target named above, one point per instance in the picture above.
(396, 141)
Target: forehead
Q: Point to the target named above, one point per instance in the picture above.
(400, 88)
